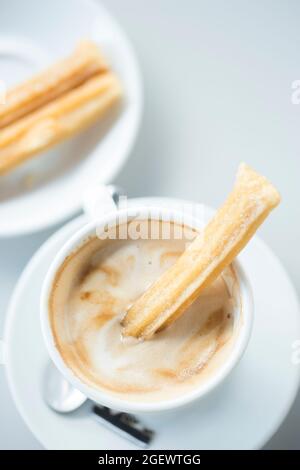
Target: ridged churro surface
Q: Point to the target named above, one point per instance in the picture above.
(250, 202)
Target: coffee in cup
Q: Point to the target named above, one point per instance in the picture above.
(94, 287)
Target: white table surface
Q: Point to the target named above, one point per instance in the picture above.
(217, 78)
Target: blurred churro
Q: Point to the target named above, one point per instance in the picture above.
(252, 199)
(51, 83)
(58, 120)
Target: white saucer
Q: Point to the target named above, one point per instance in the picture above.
(242, 414)
(49, 188)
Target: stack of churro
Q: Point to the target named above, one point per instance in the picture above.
(252, 199)
(56, 104)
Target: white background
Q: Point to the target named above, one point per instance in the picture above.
(218, 78)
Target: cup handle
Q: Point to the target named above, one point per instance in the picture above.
(99, 200)
(2, 352)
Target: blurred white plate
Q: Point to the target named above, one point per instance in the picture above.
(49, 188)
(242, 413)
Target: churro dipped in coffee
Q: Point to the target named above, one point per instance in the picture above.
(247, 206)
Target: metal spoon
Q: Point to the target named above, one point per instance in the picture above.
(62, 397)
(58, 393)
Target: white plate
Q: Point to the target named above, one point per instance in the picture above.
(48, 189)
(242, 414)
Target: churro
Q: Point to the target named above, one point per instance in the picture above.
(51, 83)
(250, 202)
(58, 120)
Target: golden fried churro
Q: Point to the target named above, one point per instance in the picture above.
(59, 119)
(44, 87)
(252, 199)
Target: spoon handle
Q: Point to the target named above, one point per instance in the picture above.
(126, 425)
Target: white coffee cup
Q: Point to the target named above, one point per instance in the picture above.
(113, 216)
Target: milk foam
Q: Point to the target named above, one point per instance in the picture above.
(92, 291)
